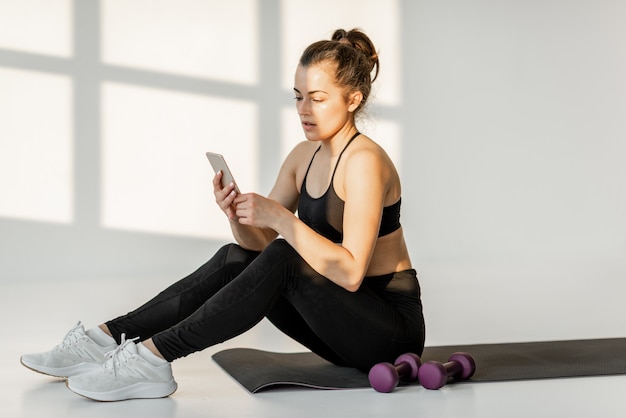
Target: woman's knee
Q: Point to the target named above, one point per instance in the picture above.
(279, 247)
(229, 258)
(233, 253)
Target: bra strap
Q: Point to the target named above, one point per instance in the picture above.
(310, 162)
(341, 153)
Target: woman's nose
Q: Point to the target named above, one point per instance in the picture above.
(304, 107)
(304, 110)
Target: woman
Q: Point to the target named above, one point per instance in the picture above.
(339, 280)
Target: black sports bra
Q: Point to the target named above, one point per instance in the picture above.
(325, 213)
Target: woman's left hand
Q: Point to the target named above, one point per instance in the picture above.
(256, 210)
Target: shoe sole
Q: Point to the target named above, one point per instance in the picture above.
(136, 391)
(61, 372)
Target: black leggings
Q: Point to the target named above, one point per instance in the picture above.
(237, 288)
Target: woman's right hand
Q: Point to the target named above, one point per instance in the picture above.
(224, 196)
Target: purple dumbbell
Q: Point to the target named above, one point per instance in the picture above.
(434, 375)
(384, 377)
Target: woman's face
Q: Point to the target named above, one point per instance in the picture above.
(321, 103)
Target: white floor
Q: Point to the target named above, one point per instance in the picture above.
(37, 315)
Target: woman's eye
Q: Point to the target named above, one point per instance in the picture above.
(297, 98)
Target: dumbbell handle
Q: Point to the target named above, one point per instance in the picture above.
(384, 377)
(433, 375)
(403, 368)
(453, 368)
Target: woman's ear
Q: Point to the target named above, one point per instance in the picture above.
(354, 101)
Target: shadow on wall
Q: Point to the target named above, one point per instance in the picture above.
(97, 223)
(80, 214)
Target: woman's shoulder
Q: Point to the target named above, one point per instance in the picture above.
(298, 155)
(305, 147)
(369, 157)
(368, 151)
(302, 150)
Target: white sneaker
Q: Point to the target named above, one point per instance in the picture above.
(78, 353)
(130, 372)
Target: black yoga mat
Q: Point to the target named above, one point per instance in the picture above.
(257, 370)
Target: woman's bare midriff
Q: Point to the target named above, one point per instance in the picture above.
(390, 255)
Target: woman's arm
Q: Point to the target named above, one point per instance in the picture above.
(284, 194)
(365, 184)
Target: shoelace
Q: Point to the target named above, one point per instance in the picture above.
(118, 355)
(70, 339)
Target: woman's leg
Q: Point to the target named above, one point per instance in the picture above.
(378, 322)
(287, 319)
(183, 297)
(351, 328)
(235, 308)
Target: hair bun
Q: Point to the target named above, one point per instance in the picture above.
(346, 41)
(339, 35)
(343, 37)
(362, 43)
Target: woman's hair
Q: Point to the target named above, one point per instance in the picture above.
(354, 57)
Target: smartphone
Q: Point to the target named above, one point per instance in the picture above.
(219, 163)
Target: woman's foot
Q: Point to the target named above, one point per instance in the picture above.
(80, 352)
(131, 371)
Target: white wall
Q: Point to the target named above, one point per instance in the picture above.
(506, 119)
